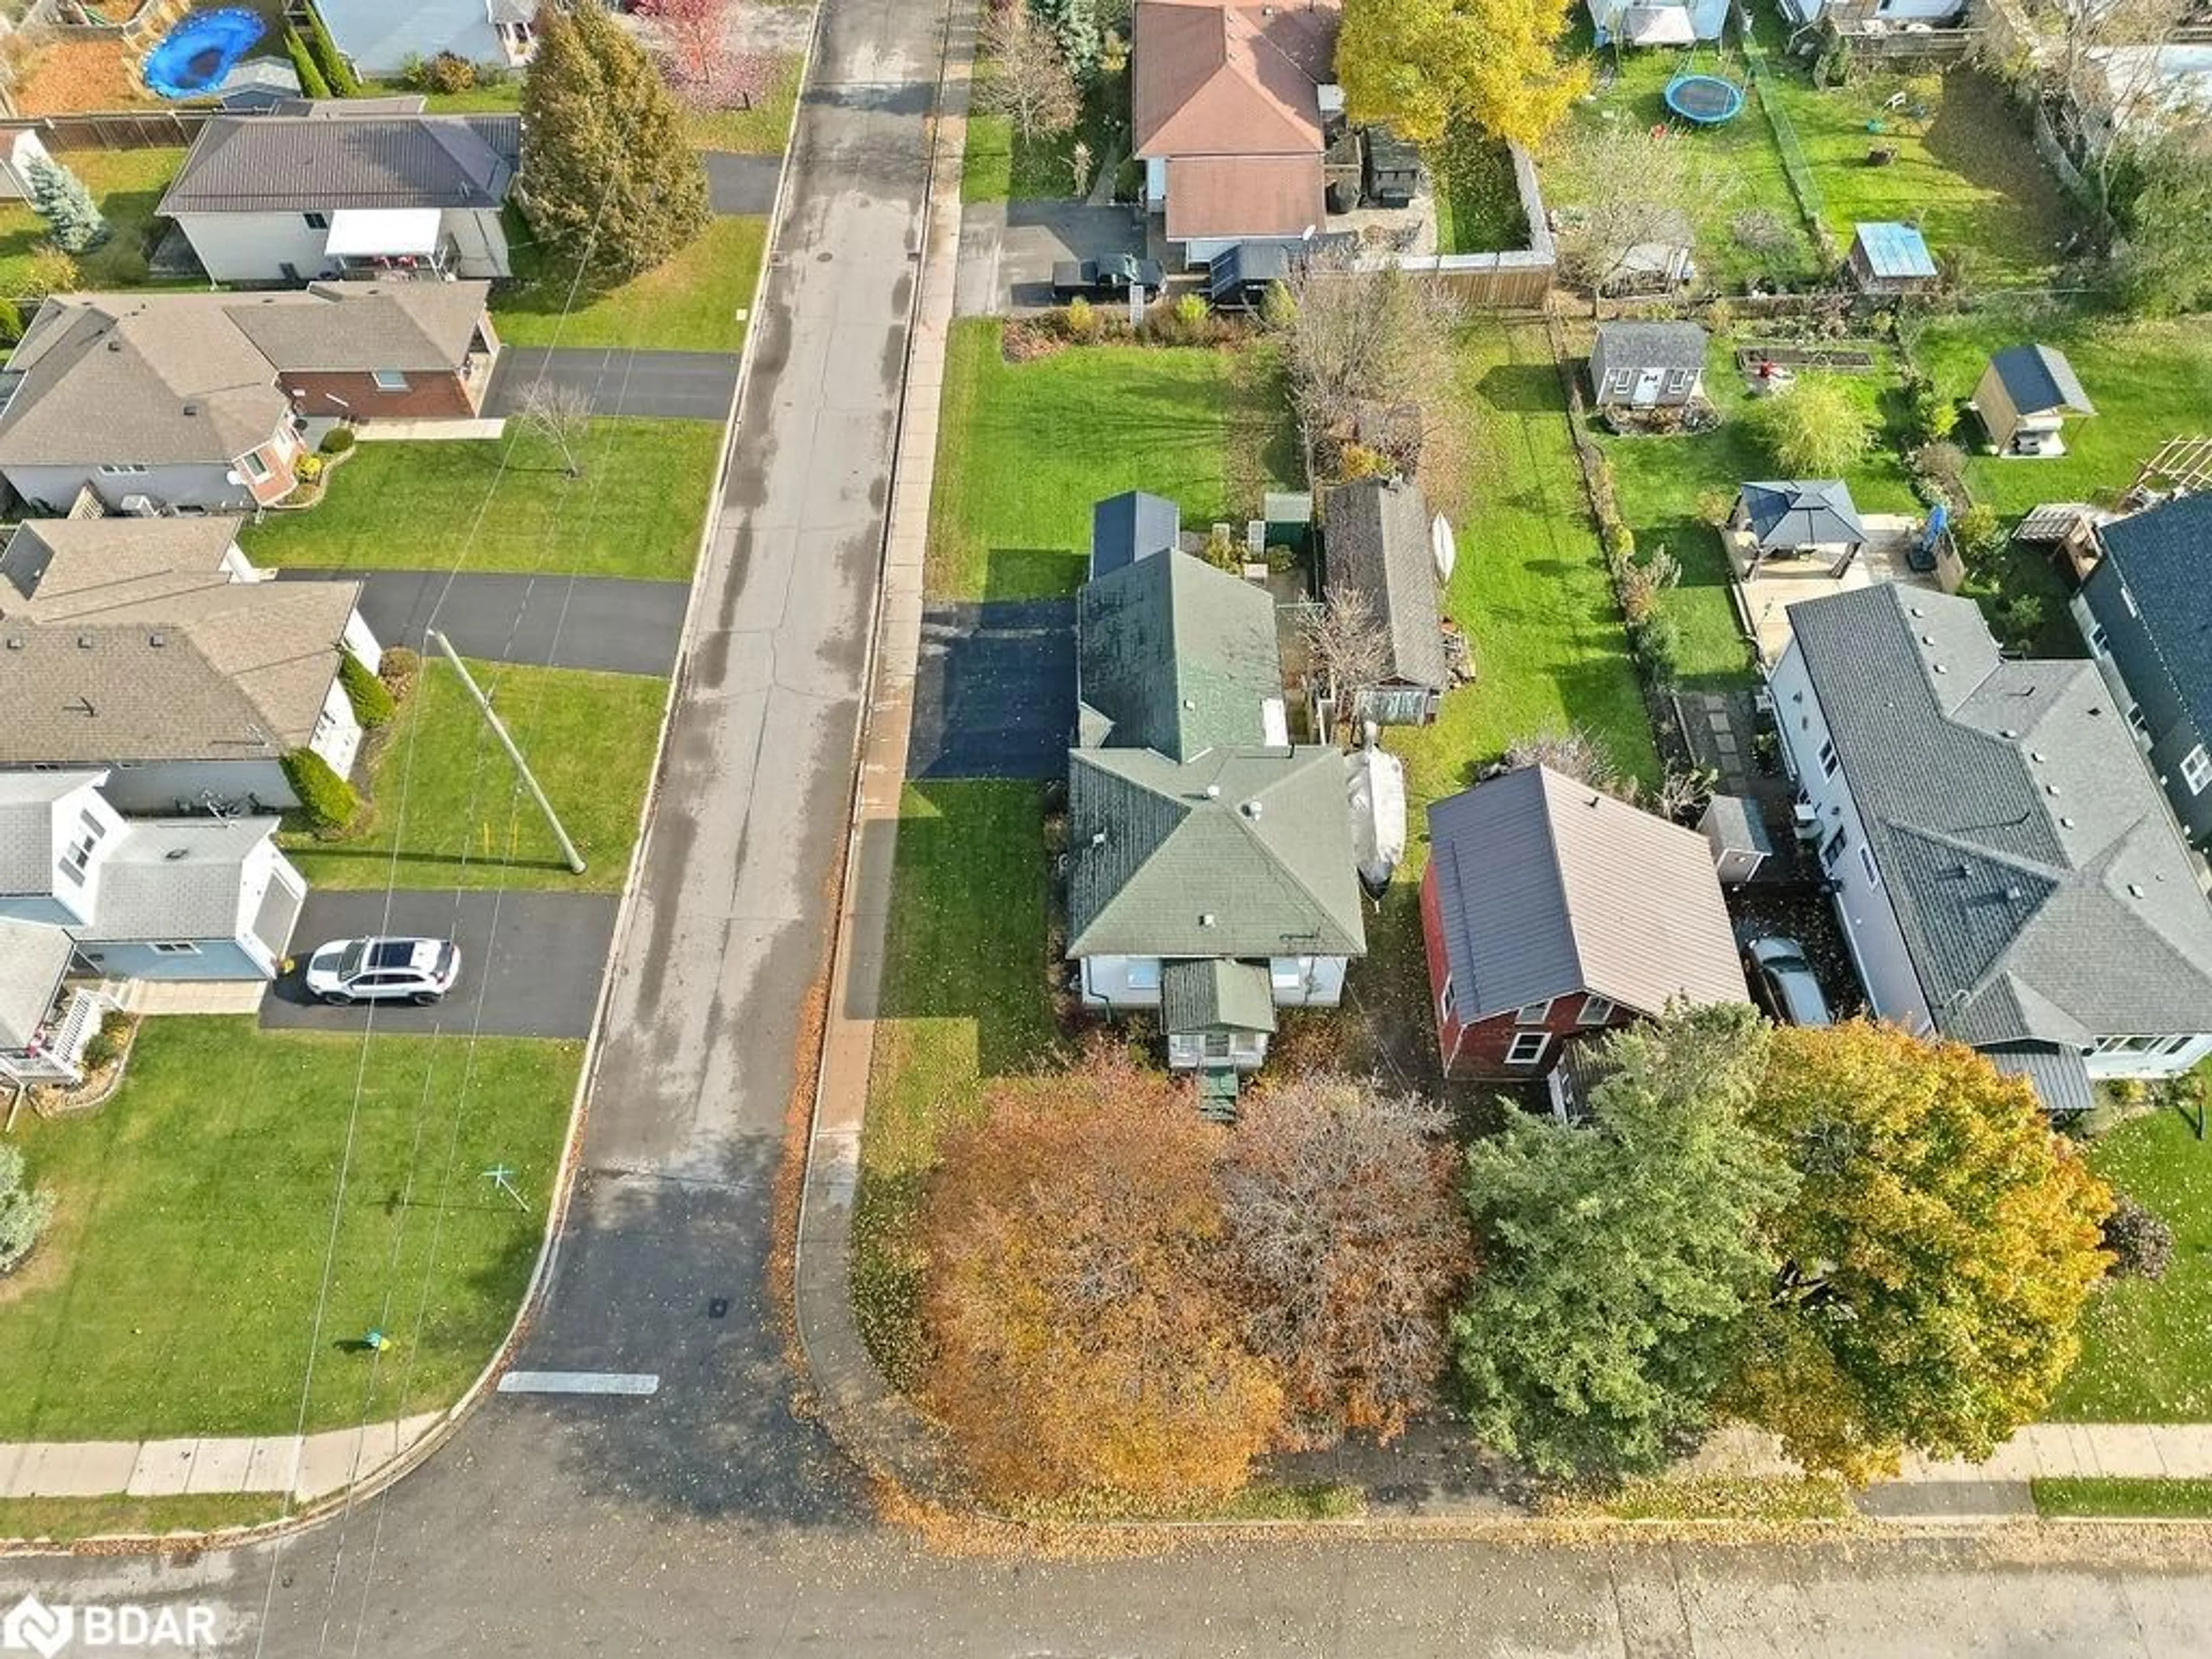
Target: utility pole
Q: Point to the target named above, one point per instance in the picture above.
(498, 730)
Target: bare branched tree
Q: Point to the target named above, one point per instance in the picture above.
(1346, 646)
(1639, 185)
(1347, 1246)
(1576, 753)
(562, 415)
(2101, 58)
(1351, 337)
(1028, 80)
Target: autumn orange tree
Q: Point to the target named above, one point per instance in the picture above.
(1083, 1342)
(1937, 1254)
(1348, 1242)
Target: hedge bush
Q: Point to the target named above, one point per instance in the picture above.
(372, 700)
(327, 801)
(337, 440)
(338, 73)
(448, 72)
(312, 84)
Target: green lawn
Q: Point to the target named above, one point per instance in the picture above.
(763, 130)
(963, 1000)
(2147, 1348)
(636, 511)
(1530, 587)
(999, 165)
(689, 304)
(1742, 153)
(2123, 1499)
(65, 1520)
(1026, 448)
(447, 796)
(2148, 379)
(1965, 171)
(501, 98)
(177, 1293)
(128, 184)
(1478, 202)
(1658, 481)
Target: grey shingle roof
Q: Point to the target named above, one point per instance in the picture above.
(26, 827)
(1130, 526)
(2041, 886)
(1802, 513)
(1214, 995)
(77, 568)
(2040, 381)
(2164, 556)
(157, 378)
(285, 163)
(176, 879)
(1173, 655)
(1243, 853)
(1378, 543)
(1547, 887)
(1646, 345)
(33, 956)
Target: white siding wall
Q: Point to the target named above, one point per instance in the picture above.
(362, 643)
(254, 247)
(2149, 1066)
(380, 35)
(1156, 182)
(1870, 924)
(479, 241)
(1107, 982)
(337, 735)
(205, 486)
(80, 900)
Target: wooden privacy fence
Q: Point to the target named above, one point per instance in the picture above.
(149, 129)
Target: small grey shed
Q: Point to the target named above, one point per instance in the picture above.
(1647, 364)
(1736, 830)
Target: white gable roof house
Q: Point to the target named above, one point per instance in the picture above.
(325, 190)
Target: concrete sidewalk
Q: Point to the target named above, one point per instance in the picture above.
(307, 1467)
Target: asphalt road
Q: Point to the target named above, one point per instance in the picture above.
(994, 691)
(530, 962)
(677, 385)
(549, 620)
(711, 1517)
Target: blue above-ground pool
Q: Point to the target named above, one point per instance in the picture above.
(194, 57)
(1708, 99)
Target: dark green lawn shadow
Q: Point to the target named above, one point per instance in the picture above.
(1521, 388)
(1030, 573)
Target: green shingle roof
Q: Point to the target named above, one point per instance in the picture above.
(1173, 655)
(1239, 853)
(1216, 995)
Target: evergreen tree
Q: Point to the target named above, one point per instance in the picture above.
(612, 182)
(60, 198)
(1073, 26)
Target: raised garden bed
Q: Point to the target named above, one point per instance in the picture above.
(1848, 359)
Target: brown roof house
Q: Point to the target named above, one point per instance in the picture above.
(1552, 912)
(205, 402)
(149, 648)
(330, 191)
(1230, 104)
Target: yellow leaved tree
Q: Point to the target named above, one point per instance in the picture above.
(1423, 65)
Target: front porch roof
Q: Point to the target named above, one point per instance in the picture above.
(1216, 995)
(33, 956)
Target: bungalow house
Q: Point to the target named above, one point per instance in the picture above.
(1643, 365)
(1891, 258)
(205, 402)
(1377, 542)
(2145, 610)
(1130, 526)
(2024, 398)
(149, 650)
(200, 898)
(1210, 862)
(1552, 912)
(332, 192)
(379, 37)
(1797, 518)
(2004, 871)
(1230, 108)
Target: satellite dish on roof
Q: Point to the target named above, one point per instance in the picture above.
(1444, 547)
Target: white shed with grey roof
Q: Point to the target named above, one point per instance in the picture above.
(1646, 365)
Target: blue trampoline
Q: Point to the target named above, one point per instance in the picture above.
(194, 57)
(1707, 100)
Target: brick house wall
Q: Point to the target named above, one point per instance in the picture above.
(1476, 1052)
(430, 396)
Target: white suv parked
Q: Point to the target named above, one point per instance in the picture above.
(419, 971)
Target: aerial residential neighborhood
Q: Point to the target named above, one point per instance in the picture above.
(977, 790)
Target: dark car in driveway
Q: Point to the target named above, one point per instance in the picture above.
(1784, 981)
(1105, 279)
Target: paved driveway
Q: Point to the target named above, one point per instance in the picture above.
(994, 691)
(530, 962)
(549, 622)
(741, 183)
(680, 385)
(1007, 249)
